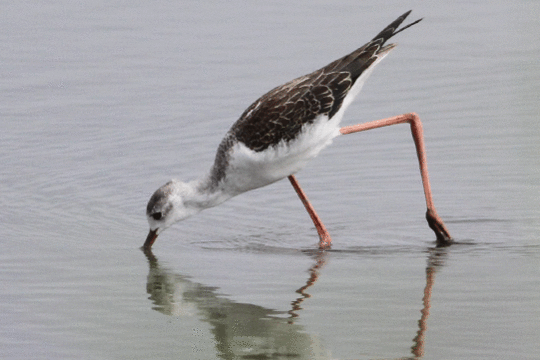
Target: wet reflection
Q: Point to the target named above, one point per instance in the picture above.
(320, 257)
(436, 260)
(241, 331)
(249, 331)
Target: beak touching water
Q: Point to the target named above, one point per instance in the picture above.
(152, 236)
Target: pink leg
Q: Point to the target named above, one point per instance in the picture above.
(434, 221)
(324, 237)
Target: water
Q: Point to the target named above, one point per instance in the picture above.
(103, 102)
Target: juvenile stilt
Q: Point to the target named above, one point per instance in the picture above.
(280, 132)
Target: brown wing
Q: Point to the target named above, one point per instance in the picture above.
(280, 114)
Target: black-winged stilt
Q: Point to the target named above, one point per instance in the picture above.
(280, 132)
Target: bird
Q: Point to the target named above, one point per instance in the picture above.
(280, 132)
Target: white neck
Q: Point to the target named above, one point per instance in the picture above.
(199, 194)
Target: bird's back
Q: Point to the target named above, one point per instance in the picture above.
(275, 123)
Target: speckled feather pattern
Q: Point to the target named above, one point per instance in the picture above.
(282, 113)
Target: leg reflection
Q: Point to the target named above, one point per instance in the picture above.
(435, 261)
(313, 276)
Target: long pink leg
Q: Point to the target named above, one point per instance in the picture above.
(433, 219)
(324, 237)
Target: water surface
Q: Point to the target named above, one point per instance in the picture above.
(103, 102)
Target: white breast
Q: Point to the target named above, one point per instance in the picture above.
(249, 169)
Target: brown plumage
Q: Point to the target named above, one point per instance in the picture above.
(280, 114)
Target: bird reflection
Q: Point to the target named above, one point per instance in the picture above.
(253, 332)
(241, 331)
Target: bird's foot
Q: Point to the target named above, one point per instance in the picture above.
(437, 225)
(325, 241)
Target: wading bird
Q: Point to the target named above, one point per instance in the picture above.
(280, 132)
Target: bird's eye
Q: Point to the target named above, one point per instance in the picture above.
(156, 216)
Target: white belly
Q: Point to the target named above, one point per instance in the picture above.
(249, 169)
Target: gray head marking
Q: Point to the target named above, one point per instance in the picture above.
(159, 204)
(171, 203)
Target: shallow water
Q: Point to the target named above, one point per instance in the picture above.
(103, 102)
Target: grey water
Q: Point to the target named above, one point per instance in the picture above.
(102, 102)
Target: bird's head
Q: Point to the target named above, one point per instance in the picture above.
(168, 205)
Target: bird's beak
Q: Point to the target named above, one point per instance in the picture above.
(152, 236)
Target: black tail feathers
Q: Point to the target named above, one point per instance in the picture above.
(390, 30)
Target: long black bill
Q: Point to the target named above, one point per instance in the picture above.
(152, 236)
